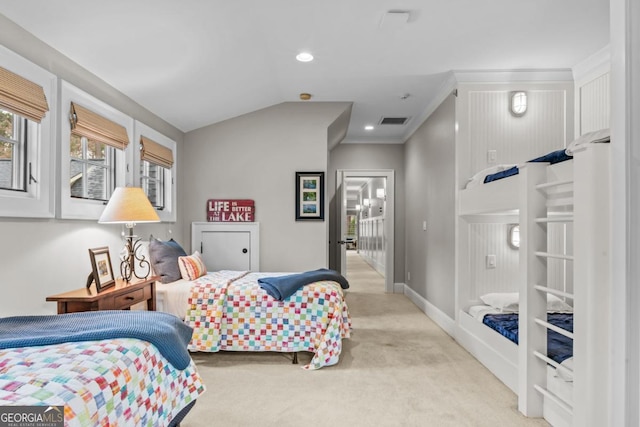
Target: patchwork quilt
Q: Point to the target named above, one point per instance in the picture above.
(229, 311)
(122, 381)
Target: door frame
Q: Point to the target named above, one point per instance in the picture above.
(389, 223)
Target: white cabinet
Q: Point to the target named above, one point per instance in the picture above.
(227, 245)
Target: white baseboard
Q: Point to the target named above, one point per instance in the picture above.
(434, 313)
(398, 288)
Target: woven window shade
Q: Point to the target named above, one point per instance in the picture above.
(22, 96)
(155, 153)
(95, 127)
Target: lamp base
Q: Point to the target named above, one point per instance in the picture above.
(132, 256)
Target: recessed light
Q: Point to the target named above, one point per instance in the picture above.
(368, 127)
(304, 57)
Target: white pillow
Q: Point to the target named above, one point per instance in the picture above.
(505, 302)
(508, 302)
(602, 135)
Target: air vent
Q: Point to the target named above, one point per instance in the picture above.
(394, 120)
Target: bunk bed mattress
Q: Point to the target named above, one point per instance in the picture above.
(229, 311)
(123, 381)
(559, 347)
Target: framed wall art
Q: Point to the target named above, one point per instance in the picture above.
(309, 196)
(102, 269)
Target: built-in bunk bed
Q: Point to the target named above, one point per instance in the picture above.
(530, 343)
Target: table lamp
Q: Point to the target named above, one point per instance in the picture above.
(128, 206)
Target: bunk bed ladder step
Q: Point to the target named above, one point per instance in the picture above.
(557, 256)
(555, 292)
(552, 184)
(555, 219)
(557, 400)
(554, 328)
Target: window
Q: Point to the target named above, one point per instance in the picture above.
(92, 169)
(27, 142)
(13, 147)
(152, 182)
(94, 153)
(156, 169)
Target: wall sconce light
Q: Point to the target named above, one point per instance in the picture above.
(358, 207)
(366, 202)
(514, 236)
(380, 193)
(518, 104)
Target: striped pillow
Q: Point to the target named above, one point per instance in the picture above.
(192, 267)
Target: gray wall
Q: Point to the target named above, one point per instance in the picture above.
(49, 256)
(255, 156)
(430, 187)
(368, 156)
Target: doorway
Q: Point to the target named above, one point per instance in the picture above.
(367, 219)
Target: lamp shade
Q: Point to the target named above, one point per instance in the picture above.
(128, 205)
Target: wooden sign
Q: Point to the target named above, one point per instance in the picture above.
(230, 210)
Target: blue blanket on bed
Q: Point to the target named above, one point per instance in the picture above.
(559, 347)
(551, 158)
(282, 287)
(165, 331)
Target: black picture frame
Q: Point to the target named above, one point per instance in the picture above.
(309, 196)
(102, 268)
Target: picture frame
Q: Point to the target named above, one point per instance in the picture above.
(309, 196)
(102, 268)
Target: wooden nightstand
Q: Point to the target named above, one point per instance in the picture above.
(120, 297)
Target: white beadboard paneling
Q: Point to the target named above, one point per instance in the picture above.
(515, 139)
(491, 239)
(595, 104)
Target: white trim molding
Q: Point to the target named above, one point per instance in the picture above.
(434, 313)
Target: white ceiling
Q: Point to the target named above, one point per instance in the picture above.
(197, 62)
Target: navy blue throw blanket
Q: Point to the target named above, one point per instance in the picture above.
(559, 347)
(165, 331)
(551, 158)
(283, 287)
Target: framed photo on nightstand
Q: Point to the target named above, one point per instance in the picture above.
(102, 269)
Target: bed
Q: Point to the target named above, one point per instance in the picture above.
(567, 190)
(496, 190)
(100, 368)
(229, 311)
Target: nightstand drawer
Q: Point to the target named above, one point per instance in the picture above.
(128, 299)
(119, 297)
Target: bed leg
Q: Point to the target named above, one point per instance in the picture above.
(295, 358)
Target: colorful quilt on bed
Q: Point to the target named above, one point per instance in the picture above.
(229, 311)
(122, 381)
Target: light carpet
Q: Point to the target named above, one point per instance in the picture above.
(397, 369)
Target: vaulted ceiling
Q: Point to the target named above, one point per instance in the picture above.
(197, 62)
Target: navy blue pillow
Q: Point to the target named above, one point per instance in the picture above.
(164, 259)
(554, 157)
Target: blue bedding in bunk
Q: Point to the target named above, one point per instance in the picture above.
(551, 158)
(559, 347)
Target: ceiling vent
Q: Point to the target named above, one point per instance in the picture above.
(394, 120)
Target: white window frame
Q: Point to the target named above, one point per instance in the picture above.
(73, 207)
(168, 214)
(39, 199)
